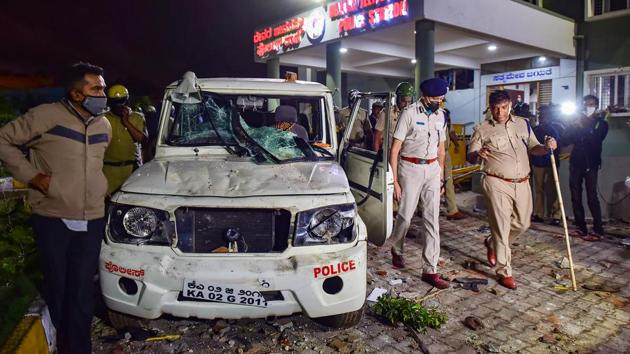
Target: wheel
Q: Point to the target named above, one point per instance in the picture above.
(342, 320)
(119, 320)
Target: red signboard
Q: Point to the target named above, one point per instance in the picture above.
(287, 35)
(338, 19)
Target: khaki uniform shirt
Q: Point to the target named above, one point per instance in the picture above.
(394, 113)
(509, 144)
(122, 146)
(357, 133)
(420, 132)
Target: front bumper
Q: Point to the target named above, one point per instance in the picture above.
(159, 274)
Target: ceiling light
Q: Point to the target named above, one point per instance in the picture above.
(413, 61)
(414, 31)
(492, 47)
(343, 50)
(542, 59)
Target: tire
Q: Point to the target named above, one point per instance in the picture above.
(119, 320)
(342, 320)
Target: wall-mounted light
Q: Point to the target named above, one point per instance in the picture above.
(542, 59)
(343, 50)
(413, 61)
(492, 47)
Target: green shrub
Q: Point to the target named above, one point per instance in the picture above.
(19, 271)
(412, 314)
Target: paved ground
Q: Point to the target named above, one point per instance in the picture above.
(539, 317)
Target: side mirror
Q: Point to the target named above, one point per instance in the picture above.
(187, 91)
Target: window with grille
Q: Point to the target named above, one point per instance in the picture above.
(600, 7)
(611, 89)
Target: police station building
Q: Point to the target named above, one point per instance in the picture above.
(477, 46)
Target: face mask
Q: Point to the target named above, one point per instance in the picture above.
(433, 106)
(96, 105)
(590, 110)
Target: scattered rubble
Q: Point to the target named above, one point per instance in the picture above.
(473, 323)
(564, 263)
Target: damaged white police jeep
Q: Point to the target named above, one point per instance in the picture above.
(249, 209)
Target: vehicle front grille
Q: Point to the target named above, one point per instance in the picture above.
(204, 230)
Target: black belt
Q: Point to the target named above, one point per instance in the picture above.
(120, 163)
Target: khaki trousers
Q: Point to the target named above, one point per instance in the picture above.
(451, 202)
(509, 214)
(419, 182)
(545, 193)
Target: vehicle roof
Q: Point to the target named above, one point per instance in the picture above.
(256, 84)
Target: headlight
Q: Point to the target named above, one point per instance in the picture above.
(140, 222)
(139, 225)
(328, 225)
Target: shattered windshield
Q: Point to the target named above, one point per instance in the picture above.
(279, 128)
(205, 123)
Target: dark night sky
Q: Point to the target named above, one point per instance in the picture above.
(145, 44)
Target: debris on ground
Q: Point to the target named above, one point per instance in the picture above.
(395, 281)
(473, 323)
(601, 287)
(339, 345)
(381, 272)
(472, 265)
(283, 339)
(130, 333)
(416, 336)
(548, 339)
(376, 294)
(471, 283)
(564, 263)
(168, 337)
(561, 289)
(485, 229)
(491, 347)
(283, 323)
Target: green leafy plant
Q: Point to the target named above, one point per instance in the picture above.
(412, 314)
(19, 271)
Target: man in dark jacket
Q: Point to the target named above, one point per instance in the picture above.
(66, 142)
(544, 186)
(587, 136)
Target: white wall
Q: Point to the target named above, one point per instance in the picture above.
(508, 20)
(463, 106)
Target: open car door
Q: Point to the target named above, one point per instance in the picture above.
(371, 180)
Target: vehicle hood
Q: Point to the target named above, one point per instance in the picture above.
(243, 178)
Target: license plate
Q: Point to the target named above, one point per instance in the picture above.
(195, 289)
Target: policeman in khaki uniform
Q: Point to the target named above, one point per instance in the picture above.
(361, 131)
(128, 131)
(404, 97)
(419, 140)
(502, 143)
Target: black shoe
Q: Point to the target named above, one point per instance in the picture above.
(536, 218)
(555, 222)
(598, 231)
